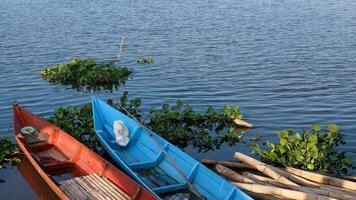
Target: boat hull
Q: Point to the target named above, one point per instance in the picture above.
(145, 160)
(68, 158)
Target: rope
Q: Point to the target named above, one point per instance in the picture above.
(193, 189)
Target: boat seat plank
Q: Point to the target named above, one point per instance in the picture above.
(157, 178)
(170, 188)
(93, 187)
(142, 165)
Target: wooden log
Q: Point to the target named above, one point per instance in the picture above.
(323, 179)
(234, 176)
(268, 170)
(228, 164)
(287, 193)
(240, 122)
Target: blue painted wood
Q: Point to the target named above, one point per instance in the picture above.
(142, 154)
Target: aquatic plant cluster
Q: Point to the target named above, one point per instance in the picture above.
(87, 74)
(9, 153)
(313, 150)
(179, 124)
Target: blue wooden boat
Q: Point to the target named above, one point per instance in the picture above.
(145, 160)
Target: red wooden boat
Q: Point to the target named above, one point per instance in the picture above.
(69, 168)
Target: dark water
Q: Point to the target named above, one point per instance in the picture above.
(287, 64)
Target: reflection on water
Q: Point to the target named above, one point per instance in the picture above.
(32, 177)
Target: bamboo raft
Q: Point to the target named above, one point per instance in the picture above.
(263, 181)
(92, 187)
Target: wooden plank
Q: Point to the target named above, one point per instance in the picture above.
(73, 190)
(66, 191)
(113, 188)
(83, 191)
(92, 187)
(89, 188)
(100, 188)
(105, 189)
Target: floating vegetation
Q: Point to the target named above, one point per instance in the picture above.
(147, 60)
(312, 150)
(78, 120)
(9, 153)
(87, 74)
(179, 124)
(255, 138)
(182, 126)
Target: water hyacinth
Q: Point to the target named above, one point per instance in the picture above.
(313, 150)
(179, 124)
(87, 74)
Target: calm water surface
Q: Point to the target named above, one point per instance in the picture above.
(287, 64)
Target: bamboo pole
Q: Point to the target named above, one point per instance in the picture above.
(268, 170)
(227, 164)
(350, 178)
(262, 180)
(321, 191)
(323, 179)
(286, 193)
(234, 176)
(261, 196)
(243, 123)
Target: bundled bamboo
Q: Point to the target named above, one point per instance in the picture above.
(323, 179)
(228, 164)
(286, 193)
(283, 183)
(268, 170)
(322, 191)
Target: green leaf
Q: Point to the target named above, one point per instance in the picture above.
(313, 139)
(283, 141)
(316, 127)
(310, 166)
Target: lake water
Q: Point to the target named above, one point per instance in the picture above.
(287, 64)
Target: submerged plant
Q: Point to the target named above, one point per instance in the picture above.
(87, 74)
(313, 150)
(182, 126)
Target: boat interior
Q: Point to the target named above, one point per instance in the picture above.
(69, 164)
(148, 160)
